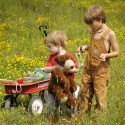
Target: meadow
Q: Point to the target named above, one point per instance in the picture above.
(22, 50)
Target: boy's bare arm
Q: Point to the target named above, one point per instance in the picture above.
(51, 68)
(114, 45)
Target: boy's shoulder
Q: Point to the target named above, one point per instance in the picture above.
(69, 54)
(52, 56)
(111, 32)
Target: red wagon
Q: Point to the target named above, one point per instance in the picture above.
(13, 90)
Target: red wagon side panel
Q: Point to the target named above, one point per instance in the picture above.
(26, 88)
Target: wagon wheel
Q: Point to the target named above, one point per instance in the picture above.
(8, 102)
(36, 105)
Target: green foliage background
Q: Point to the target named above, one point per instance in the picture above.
(22, 50)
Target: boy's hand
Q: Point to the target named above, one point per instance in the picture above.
(103, 57)
(81, 49)
(58, 66)
(74, 70)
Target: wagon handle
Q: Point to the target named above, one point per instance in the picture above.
(43, 27)
(20, 87)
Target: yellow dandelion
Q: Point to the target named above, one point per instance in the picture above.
(64, 119)
(1, 93)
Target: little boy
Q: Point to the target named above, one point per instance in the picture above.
(97, 69)
(55, 42)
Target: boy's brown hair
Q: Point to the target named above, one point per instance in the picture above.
(56, 38)
(94, 13)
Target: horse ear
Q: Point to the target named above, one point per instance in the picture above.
(66, 57)
(69, 57)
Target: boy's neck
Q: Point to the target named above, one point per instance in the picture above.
(61, 51)
(102, 28)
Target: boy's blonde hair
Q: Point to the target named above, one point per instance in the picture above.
(56, 38)
(94, 13)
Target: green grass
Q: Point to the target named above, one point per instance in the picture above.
(22, 50)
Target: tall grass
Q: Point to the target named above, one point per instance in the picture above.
(22, 50)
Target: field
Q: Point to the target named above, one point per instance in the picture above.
(22, 50)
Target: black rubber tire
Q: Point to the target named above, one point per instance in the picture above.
(7, 105)
(41, 94)
(36, 105)
(46, 96)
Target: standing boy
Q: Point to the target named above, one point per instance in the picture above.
(97, 70)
